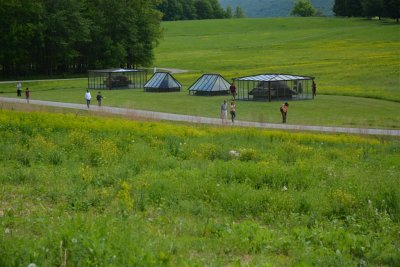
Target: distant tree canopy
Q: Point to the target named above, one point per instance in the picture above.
(303, 8)
(368, 8)
(193, 9)
(239, 13)
(72, 36)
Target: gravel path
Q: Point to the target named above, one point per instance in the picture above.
(204, 120)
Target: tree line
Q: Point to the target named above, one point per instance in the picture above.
(368, 8)
(352, 8)
(71, 36)
(196, 9)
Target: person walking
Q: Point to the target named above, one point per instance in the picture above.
(99, 98)
(233, 111)
(232, 88)
(284, 109)
(27, 94)
(88, 97)
(19, 89)
(224, 111)
(314, 89)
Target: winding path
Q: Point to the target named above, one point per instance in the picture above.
(204, 120)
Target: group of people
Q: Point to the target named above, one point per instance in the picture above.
(88, 97)
(27, 92)
(232, 89)
(232, 107)
(224, 106)
(224, 111)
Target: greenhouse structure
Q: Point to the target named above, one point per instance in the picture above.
(116, 79)
(162, 82)
(210, 84)
(270, 87)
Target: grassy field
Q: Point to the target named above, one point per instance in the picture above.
(84, 190)
(324, 110)
(89, 191)
(347, 56)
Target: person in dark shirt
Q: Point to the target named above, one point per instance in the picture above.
(99, 98)
(232, 88)
(284, 109)
(314, 88)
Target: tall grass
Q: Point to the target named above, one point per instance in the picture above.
(85, 191)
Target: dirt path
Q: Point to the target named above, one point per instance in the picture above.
(204, 120)
(172, 71)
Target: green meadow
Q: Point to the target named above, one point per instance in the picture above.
(88, 191)
(356, 57)
(355, 63)
(79, 189)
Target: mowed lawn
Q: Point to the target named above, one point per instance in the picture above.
(330, 110)
(355, 63)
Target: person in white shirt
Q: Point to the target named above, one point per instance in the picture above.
(88, 97)
(19, 89)
(224, 111)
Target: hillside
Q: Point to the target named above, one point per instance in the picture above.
(275, 8)
(353, 56)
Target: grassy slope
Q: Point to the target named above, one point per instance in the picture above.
(84, 191)
(347, 56)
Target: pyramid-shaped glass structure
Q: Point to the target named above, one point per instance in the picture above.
(210, 84)
(162, 82)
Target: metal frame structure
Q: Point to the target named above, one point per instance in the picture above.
(116, 79)
(271, 87)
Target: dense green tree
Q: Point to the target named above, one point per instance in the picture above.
(149, 31)
(229, 12)
(339, 8)
(64, 30)
(392, 9)
(239, 13)
(372, 8)
(367, 8)
(172, 9)
(189, 10)
(217, 11)
(19, 33)
(203, 9)
(59, 36)
(354, 8)
(303, 8)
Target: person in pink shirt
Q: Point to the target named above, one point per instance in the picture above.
(233, 111)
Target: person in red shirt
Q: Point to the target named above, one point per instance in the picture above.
(27, 95)
(284, 109)
(232, 88)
